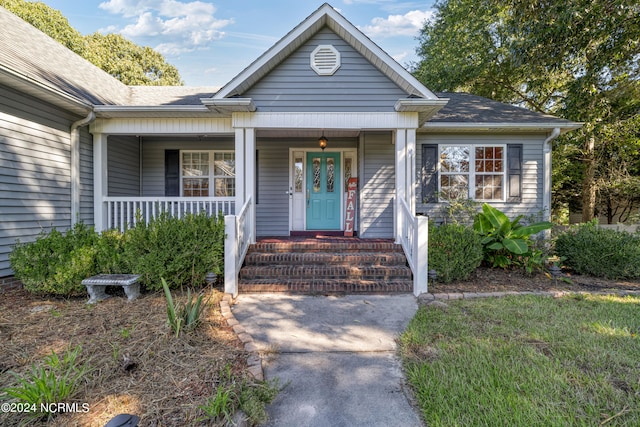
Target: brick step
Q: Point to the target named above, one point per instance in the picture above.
(329, 247)
(317, 286)
(311, 272)
(325, 258)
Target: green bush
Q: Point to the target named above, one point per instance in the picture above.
(595, 251)
(181, 250)
(56, 263)
(455, 251)
(110, 253)
(505, 242)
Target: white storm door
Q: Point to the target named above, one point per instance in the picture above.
(296, 190)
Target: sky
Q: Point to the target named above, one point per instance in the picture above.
(211, 41)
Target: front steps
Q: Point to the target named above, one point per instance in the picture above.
(329, 265)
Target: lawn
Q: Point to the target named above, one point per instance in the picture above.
(526, 361)
(134, 363)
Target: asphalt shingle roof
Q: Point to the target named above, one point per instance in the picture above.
(467, 108)
(28, 52)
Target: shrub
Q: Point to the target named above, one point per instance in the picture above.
(56, 263)
(455, 251)
(611, 254)
(182, 250)
(506, 242)
(110, 253)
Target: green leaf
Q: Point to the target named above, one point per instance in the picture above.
(531, 229)
(494, 216)
(482, 225)
(516, 246)
(496, 246)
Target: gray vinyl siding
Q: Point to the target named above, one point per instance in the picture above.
(378, 186)
(86, 177)
(272, 209)
(153, 157)
(356, 86)
(532, 158)
(123, 154)
(35, 187)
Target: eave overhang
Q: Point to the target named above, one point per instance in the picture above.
(154, 111)
(456, 127)
(38, 90)
(426, 108)
(228, 106)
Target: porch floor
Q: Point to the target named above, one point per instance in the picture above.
(325, 264)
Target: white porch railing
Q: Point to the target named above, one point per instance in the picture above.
(239, 235)
(122, 212)
(414, 239)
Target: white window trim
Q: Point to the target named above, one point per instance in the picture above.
(472, 172)
(211, 175)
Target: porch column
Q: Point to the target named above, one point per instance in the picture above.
(245, 146)
(411, 170)
(250, 177)
(240, 169)
(100, 181)
(401, 178)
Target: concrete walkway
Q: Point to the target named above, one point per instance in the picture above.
(336, 355)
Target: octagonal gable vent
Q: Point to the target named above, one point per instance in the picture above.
(325, 60)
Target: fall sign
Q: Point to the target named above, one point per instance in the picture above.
(349, 221)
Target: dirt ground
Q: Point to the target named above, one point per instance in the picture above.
(137, 365)
(497, 280)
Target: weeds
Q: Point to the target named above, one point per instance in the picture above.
(57, 381)
(250, 397)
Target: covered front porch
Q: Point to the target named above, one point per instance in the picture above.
(262, 174)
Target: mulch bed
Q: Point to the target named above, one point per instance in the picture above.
(496, 280)
(138, 366)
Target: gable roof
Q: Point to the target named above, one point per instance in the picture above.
(40, 66)
(325, 16)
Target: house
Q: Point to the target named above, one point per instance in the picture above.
(78, 145)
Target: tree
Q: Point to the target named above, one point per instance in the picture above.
(578, 60)
(130, 63)
(123, 59)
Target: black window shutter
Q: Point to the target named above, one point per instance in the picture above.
(172, 173)
(514, 173)
(429, 174)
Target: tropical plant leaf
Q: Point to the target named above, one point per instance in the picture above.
(494, 216)
(482, 225)
(495, 246)
(530, 229)
(516, 246)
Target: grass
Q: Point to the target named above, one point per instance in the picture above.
(527, 361)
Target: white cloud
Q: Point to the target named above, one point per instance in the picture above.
(179, 26)
(408, 24)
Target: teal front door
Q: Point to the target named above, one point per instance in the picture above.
(323, 191)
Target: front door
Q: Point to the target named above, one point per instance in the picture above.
(323, 191)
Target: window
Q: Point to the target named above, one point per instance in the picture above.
(208, 173)
(484, 172)
(473, 171)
